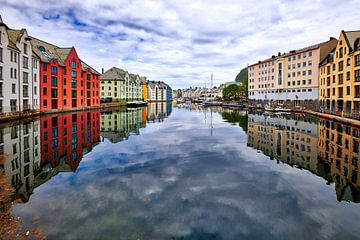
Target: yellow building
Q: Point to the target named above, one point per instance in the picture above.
(339, 147)
(143, 88)
(340, 76)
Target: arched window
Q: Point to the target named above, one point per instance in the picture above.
(357, 44)
(41, 48)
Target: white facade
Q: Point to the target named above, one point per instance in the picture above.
(20, 144)
(157, 91)
(19, 72)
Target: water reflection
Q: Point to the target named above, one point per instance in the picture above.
(180, 183)
(325, 148)
(339, 150)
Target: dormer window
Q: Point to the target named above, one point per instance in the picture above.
(41, 48)
(357, 44)
(25, 48)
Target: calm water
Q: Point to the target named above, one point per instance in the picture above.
(183, 173)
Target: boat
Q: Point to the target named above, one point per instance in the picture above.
(268, 108)
(282, 109)
(135, 104)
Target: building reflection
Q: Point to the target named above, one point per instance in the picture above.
(20, 148)
(158, 111)
(339, 149)
(327, 149)
(118, 125)
(37, 150)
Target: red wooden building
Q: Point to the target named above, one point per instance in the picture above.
(66, 82)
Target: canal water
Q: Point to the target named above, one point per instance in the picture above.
(179, 172)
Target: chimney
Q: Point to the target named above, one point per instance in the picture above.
(279, 54)
(102, 71)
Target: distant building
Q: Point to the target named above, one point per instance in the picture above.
(158, 91)
(143, 88)
(118, 85)
(291, 79)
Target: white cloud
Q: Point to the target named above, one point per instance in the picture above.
(181, 42)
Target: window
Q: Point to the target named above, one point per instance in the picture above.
(309, 72)
(310, 63)
(73, 74)
(1, 73)
(54, 81)
(25, 62)
(1, 55)
(73, 83)
(357, 60)
(26, 91)
(44, 66)
(25, 48)
(44, 79)
(25, 77)
(13, 88)
(348, 62)
(310, 54)
(44, 91)
(348, 90)
(35, 90)
(54, 93)
(347, 76)
(73, 64)
(304, 64)
(13, 105)
(53, 70)
(357, 76)
(341, 66)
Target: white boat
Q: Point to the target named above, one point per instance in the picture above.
(269, 108)
(282, 109)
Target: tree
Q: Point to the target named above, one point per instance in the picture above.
(231, 92)
(243, 78)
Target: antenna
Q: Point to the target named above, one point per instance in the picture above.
(212, 78)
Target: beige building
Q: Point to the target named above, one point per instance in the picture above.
(291, 79)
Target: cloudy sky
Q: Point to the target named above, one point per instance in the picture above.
(181, 42)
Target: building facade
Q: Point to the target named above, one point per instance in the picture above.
(19, 71)
(158, 91)
(340, 76)
(290, 79)
(66, 82)
(118, 85)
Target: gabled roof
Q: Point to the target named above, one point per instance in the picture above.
(113, 73)
(351, 37)
(47, 51)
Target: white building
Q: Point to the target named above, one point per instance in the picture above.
(19, 71)
(158, 91)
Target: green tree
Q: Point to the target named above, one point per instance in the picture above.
(243, 78)
(231, 92)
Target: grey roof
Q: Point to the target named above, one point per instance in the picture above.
(47, 51)
(113, 73)
(351, 37)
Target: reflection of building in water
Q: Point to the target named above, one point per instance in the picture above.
(66, 137)
(158, 111)
(339, 148)
(116, 126)
(289, 140)
(20, 145)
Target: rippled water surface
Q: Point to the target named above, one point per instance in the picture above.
(184, 173)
